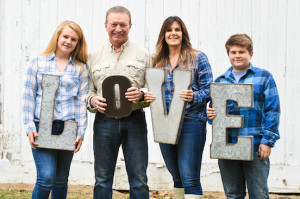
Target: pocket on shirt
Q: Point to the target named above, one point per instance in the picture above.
(69, 86)
(100, 71)
(136, 70)
(73, 85)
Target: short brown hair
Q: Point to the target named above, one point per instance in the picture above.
(118, 9)
(239, 40)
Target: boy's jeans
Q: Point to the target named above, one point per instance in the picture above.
(237, 174)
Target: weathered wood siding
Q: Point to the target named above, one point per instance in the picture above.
(26, 27)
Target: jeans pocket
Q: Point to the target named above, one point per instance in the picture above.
(138, 116)
(100, 117)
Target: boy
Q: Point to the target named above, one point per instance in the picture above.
(261, 122)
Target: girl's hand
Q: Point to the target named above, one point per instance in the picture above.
(32, 136)
(78, 143)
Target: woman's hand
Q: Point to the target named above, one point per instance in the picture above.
(211, 113)
(78, 143)
(187, 95)
(149, 97)
(99, 103)
(32, 136)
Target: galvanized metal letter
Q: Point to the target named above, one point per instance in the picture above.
(166, 128)
(64, 141)
(114, 96)
(243, 95)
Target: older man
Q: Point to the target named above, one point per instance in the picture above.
(119, 57)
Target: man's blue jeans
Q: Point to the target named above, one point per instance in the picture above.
(109, 134)
(184, 159)
(52, 168)
(237, 174)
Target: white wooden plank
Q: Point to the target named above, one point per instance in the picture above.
(290, 89)
(278, 153)
(264, 33)
(2, 57)
(12, 122)
(48, 21)
(138, 15)
(256, 21)
(66, 10)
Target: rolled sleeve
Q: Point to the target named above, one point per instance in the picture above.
(81, 113)
(201, 94)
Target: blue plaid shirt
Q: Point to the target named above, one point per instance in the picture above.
(202, 77)
(262, 121)
(70, 103)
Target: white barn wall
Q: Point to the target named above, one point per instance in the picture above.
(26, 27)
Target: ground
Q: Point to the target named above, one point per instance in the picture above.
(21, 191)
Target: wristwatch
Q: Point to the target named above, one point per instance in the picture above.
(143, 96)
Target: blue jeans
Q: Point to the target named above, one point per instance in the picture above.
(184, 159)
(52, 168)
(109, 134)
(237, 174)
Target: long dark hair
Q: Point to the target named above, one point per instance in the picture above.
(187, 53)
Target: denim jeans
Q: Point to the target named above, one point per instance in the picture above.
(109, 134)
(236, 175)
(183, 160)
(52, 168)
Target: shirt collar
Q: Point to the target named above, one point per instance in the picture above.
(52, 57)
(123, 46)
(229, 71)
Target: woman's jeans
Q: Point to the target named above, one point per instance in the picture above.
(237, 174)
(109, 134)
(184, 159)
(53, 168)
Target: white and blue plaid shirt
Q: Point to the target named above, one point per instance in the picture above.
(70, 98)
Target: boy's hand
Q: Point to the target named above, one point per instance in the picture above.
(211, 113)
(264, 151)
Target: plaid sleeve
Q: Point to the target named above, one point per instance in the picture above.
(272, 113)
(30, 88)
(201, 94)
(81, 111)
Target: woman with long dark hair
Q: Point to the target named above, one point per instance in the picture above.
(183, 160)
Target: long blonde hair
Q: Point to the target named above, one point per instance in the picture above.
(187, 53)
(79, 54)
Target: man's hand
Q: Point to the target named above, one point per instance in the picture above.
(32, 136)
(264, 151)
(211, 113)
(99, 103)
(133, 94)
